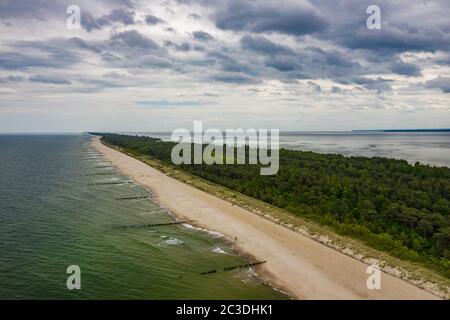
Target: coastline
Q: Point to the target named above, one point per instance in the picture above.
(295, 264)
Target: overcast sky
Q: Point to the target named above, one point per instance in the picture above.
(158, 65)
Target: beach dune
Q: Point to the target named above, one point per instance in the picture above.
(303, 268)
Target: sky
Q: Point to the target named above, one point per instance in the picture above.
(150, 65)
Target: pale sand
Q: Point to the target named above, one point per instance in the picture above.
(295, 264)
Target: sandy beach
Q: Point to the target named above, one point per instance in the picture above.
(303, 268)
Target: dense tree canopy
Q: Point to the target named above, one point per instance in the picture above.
(389, 204)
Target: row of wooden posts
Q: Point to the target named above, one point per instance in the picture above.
(239, 266)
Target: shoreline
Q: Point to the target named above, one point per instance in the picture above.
(297, 265)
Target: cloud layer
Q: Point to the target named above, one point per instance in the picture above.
(291, 64)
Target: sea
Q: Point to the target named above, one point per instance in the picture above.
(62, 209)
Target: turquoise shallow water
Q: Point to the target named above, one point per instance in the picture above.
(53, 213)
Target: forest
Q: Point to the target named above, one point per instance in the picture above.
(388, 204)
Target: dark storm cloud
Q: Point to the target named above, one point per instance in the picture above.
(133, 38)
(230, 77)
(109, 57)
(52, 53)
(289, 17)
(442, 83)
(48, 79)
(313, 63)
(394, 39)
(379, 84)
(283, 63)
(10, 79)
(344, 22)
(269, 60)
(263, 45)
(43, 9)
(46, 9)
(336, 58)
(230, 64)
(405, 25)
(17, 60)
(128, 49)
(80, 43)
(28, 8)
(154, 62)
(14, 60)
(184, 47)
(153, 20)
(202, 36)
(220, 55)
(123, 16)
(406, 69)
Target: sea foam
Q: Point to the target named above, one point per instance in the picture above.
(214, 234)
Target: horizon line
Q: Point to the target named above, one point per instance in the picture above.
(281, 131)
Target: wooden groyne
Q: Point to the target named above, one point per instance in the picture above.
(99, 173)
(132, 198)
(149, 225)
(235, 267)
(106, 183)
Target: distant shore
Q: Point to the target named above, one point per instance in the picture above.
(445, 130)
(295, 264)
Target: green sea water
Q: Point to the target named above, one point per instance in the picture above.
(54, 212)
